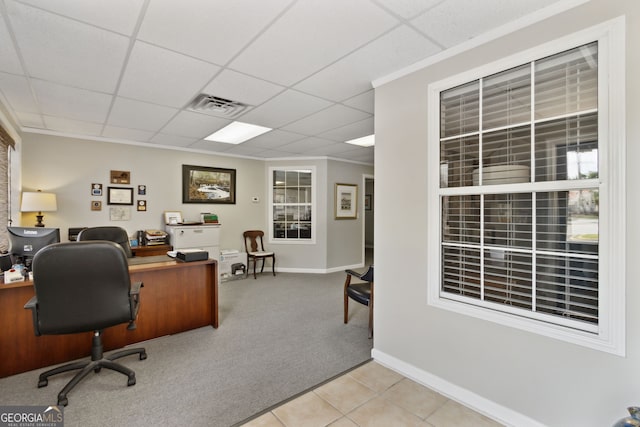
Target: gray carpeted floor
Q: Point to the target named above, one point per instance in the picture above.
(278, 336)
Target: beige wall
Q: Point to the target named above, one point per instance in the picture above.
(522, 377)
(69, 166)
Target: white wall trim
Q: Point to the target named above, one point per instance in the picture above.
(318, 270)
(461, 395)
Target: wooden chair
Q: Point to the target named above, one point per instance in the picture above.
(361, 292)
(255, 251)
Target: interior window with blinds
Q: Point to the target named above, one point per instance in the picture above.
(519, 190)
(292, 204)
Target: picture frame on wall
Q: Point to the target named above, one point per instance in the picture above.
(202, 184)
(172, 217)
(367, 202)
(346, 201)
(119, 196)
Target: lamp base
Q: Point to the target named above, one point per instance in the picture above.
(39, 218)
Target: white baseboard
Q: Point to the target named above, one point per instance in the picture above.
(461, 395)
(317, 270)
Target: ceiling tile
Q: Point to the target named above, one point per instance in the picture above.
(211, 30)
(445, 24)
(139, 115)
(350, 131)
(78, 104)
(275, 138)
(66, 51)
(211, 146)
(116, 15)
(306, 144)
(72, 127)
(9, 60)
(194, 125)
(407, 8)
(336, 115)
(242, 150)
(353, 74)
(297, 35)
(284, 108)
(172, 140)
(364, 101)
(17, 91)
(158, 75)
(240, 87)
(328, 149)
(127, 134)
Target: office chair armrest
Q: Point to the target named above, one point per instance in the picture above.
(135, 288)
(353, 273)
(32, 305)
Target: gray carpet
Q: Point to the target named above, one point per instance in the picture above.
(278, 336)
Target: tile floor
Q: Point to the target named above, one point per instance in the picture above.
(371, 395)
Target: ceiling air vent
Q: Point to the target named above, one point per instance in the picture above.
(215, 105)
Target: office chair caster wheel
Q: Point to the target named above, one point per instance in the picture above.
(143, 356)
(42, 382)
(63, 401)
(131, 381)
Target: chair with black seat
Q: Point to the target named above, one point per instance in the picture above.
(84, 287)
(361, 292)
(254, 246)
(112, 234)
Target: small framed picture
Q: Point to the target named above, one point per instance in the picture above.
(96, 205)
(346, 201)
(172, 217)
(142, 190)
(367, 202)
(142, 205)
(96, 189)
(120, 177)
(119, 196)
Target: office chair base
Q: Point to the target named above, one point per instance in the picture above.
(95, 366)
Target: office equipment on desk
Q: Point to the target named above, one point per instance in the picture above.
(189, 255)
(203, 236)
(155, 237)
(25, 242)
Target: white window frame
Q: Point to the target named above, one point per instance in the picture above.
(610, 334)
(314, 191)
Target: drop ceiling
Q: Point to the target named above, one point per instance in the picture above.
(128, 70)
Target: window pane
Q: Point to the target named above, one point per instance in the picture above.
(506, 157)
(278, 213)
(461, 271)
(461, 219)
(278, 195)
(459, 110)
(567, 221)
(278, 229)
(291, 178)
(567, 82)
(292, 195)
(507, 278)
(567, 148)
(305, 179)
(278, 178)
(507, 219)
(506, 98)
(458, 158)
(304, 195)
(568, 286)
(305, 213)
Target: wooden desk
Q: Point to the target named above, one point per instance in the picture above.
(151, 250)
(176, 296)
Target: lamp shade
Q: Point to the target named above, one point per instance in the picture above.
(38, 202)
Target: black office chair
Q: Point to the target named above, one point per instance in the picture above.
(254, 246)
(110, 233)
(361, 292)
(82, 287)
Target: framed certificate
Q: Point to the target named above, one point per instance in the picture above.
(119, 196)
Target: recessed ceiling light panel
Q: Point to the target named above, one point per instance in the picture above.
(237, 132)
(365, 141)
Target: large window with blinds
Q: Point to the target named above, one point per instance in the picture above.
(523, 192)
(292, 204)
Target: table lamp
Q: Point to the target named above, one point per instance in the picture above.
(38, 202)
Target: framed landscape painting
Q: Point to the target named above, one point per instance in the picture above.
(202, 184)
